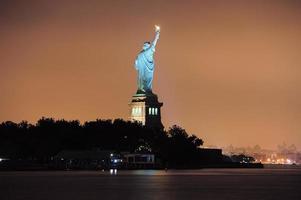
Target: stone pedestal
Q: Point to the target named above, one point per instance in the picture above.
(146, 108)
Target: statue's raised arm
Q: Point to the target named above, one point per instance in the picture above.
(156, 36)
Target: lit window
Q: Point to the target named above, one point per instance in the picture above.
(149, 111)
(156, 111)
(135, 111)
(139, 110)
(153, 111)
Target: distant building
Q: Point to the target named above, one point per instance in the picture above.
(210, 156)
(137, 160)
(87, 159)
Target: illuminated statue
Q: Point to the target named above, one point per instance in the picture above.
(145, 65)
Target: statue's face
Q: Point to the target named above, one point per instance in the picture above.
(146, 45)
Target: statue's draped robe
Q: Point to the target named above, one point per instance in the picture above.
(144, 64)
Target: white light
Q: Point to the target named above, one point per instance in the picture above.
(1, 159)
(157, 28)
(113, 171)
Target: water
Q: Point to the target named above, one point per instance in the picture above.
(152, 184)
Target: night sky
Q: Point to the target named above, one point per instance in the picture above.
(227, 71)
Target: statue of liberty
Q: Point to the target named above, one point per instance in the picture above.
(145, 65)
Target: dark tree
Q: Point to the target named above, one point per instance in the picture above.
(48, 137)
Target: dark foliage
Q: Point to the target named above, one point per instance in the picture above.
(182, 147)
(48, 137)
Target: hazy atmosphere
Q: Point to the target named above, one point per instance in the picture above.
(228, 72)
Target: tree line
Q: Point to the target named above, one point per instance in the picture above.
(46, 138)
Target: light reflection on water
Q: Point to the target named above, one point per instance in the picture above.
(113, 171)
(115, 184)
(201, 172)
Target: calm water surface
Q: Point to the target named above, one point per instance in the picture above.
(152, 184)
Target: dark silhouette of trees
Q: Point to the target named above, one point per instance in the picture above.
(48, 137)
(182, 148)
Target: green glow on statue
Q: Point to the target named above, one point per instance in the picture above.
(145, 64)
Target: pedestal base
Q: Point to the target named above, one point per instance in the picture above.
(146, 108)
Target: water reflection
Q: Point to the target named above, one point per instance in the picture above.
(113, 171)
(147, 172)
(112, 184)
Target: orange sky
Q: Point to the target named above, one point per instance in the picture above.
(227, 72)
